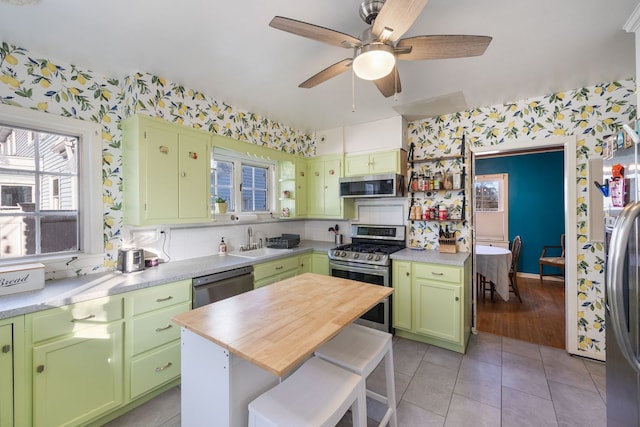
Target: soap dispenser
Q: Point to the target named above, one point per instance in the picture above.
(222, 249)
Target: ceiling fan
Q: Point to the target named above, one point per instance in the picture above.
(376, 51)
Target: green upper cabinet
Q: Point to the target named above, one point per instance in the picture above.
(381, 162)
(165, 172)
(323, 189)
(301, 187)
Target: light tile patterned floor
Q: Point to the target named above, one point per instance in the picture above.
(499, 382)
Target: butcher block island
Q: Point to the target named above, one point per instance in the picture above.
(236, 349)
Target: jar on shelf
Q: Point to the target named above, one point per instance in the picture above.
(448, 181)
(414, 182)
(457, 180)
(442, 212)
(420, 182)
(437, 181)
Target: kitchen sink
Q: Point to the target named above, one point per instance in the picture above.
(259, 253)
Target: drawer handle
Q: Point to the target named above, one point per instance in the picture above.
(90, 316)
(6, 348)
(437, 274)
(280, 268)
(162, 368)
(163, 329)
(164, 299)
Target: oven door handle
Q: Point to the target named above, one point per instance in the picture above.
(356, 269)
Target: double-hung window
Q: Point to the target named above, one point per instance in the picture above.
(245, 183)
(50, 186)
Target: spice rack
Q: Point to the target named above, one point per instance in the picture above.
(433, 186)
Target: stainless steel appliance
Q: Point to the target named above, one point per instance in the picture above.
(130, 260)
(622, 291)
(218, 286)
(366, 259)
(390, 185)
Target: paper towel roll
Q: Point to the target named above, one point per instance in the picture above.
(244, 218)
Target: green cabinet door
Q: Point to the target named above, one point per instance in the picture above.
(320, 263)
(194, 172)
(385, 162)
(301, 187)
(315, 187)
(79, 377)
(6, 373)
(356, 165)
(305, 263)
(437, 309)
(161, 154)
(402, 307)
(332, 200)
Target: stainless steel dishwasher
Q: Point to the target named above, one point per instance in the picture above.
(218, 286)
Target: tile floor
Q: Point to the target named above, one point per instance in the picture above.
(499, 382)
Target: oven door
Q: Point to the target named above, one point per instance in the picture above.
(379, 317)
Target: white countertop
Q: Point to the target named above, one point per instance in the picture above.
(57, 293)
(431, 256)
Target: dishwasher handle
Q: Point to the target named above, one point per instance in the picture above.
(223, 275)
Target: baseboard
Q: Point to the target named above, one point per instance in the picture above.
(546, 278)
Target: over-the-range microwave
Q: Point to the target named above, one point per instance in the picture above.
(390, 185)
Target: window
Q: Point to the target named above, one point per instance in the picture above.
(492, 208)
(50, 206)
(487, 196)
(255, 177)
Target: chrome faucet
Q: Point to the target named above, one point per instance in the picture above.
(250, 241)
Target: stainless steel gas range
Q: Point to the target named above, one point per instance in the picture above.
(366, 259)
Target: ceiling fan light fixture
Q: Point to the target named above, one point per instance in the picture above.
(375, 61)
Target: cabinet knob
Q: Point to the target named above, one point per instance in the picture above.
(183, 174)
(457, 299)
(40, 369)
(6, 348)
(408, 274)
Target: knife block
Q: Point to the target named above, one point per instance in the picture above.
(447, 246)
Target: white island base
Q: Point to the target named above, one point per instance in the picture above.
(217, 386)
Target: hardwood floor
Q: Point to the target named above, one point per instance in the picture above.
(539, 319)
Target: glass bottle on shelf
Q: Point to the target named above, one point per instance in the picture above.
(437, 181)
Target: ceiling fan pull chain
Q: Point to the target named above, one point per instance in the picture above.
(353, 91)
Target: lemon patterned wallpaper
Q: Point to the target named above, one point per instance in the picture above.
(30, 81)
(590, 113)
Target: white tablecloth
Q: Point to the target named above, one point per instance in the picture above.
(494, 264)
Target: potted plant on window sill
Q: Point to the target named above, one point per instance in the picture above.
(220, 205)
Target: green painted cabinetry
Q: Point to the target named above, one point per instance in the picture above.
(6, 373)
(320, 263)
(13, 408)
(432, 303)
(323, 189)
(270, 272)
(77, 361)
(305, 263)
(382, 162)
(292, 184)
(166, 172)
(152, 345)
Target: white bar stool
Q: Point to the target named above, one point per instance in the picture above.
(360, 349)
(317, 394)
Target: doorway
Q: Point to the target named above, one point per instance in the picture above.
(569, 299)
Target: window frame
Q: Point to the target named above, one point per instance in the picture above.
(240, 160)
(90, 209)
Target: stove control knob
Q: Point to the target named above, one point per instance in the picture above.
(356, 255)
(343, 254)
(369, 257)
(377, 257)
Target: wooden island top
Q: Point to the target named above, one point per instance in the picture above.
(278, 326)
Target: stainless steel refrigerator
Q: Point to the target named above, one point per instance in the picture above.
(622, 290)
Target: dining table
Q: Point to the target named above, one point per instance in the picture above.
(493, 263)
(236, 349)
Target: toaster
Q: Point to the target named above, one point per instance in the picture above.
(130, 260)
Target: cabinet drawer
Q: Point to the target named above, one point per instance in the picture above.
(439, 272)
(72, 318)
(275, 267)
(160, 296)
(156, 328)
(155, 369)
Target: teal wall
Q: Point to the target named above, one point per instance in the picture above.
(536, 200)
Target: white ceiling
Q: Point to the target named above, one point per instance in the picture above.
(227, 50)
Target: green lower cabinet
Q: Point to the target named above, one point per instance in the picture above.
(270, 272)
(432, 303)
(155, 368)
(320, 263)
(6, 373)
(78, 377)
(305, 263)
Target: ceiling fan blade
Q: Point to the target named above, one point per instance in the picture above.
(443, 47)
(328, 73)
(396, 17)
(314, 32)
(389, 84)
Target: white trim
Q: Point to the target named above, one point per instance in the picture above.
(633, 23)
(90, 135)
(570, 224)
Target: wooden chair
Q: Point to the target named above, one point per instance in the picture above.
(516, 248)
(552, 261)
